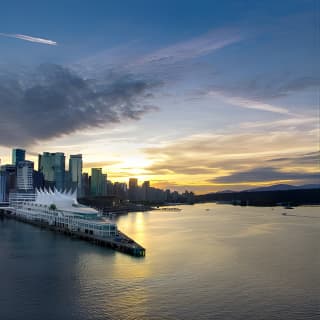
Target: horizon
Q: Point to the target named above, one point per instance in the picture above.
(200, 97)
(125, 180)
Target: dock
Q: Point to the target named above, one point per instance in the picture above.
(121, 242)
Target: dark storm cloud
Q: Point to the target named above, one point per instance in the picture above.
(265, 174)
(55, 100)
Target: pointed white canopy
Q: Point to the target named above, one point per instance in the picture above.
(66, 201)
(47, 197)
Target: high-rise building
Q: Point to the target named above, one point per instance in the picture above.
(120, 190)
(97, 182)
(52, 165)
(10, 173)
(145, 191)
(18, 155)
(75, 172)
(110, 190)
(85, 185)
(133, 183)
(133, 189)
(67, 180)
(25, 175)
(105, 184)
(38, 179)
(3, 183)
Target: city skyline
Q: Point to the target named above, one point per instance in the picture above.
(204, 96)
(20, 180)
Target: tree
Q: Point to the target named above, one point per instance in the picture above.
(53, 206)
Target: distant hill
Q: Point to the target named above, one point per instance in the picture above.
(268, 196)
(276, 187)
(281, 187)
(226, 191)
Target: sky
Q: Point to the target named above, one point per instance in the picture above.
(198, 95)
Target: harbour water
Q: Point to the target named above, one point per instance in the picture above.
(206, 261)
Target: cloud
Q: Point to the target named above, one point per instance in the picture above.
(265, 87)
(167, 63)
(30, 38)
(298, 122)
(248, 103)
(53, 101)
(199, 46)
(265, 174)
(261, 92)
(99, 164)
(235, 146)
(204, 159)
(298, 160)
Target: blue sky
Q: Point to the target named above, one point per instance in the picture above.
(138, 86)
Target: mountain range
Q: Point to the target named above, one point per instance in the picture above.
(277, 187)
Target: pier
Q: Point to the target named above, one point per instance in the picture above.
(121, 242)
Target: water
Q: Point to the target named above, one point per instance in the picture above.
(225, 263)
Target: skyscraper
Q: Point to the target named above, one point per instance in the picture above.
(120, 190)
(145, 191)
(85, 185)
(38, 179)
(97, 183)
(25, 175)
(3, 183)
(10, 176)
(133, 189)
(75, 172)
(133, 183)
(18, 155)
(104, 184)
(52, 165)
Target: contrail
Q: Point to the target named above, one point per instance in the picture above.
(29, 38)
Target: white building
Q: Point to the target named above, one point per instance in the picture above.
(62, 210)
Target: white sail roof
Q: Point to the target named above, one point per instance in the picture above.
(66, 200)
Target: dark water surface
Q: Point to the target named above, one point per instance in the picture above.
(224, 263)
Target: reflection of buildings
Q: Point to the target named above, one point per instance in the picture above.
(52, 165)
